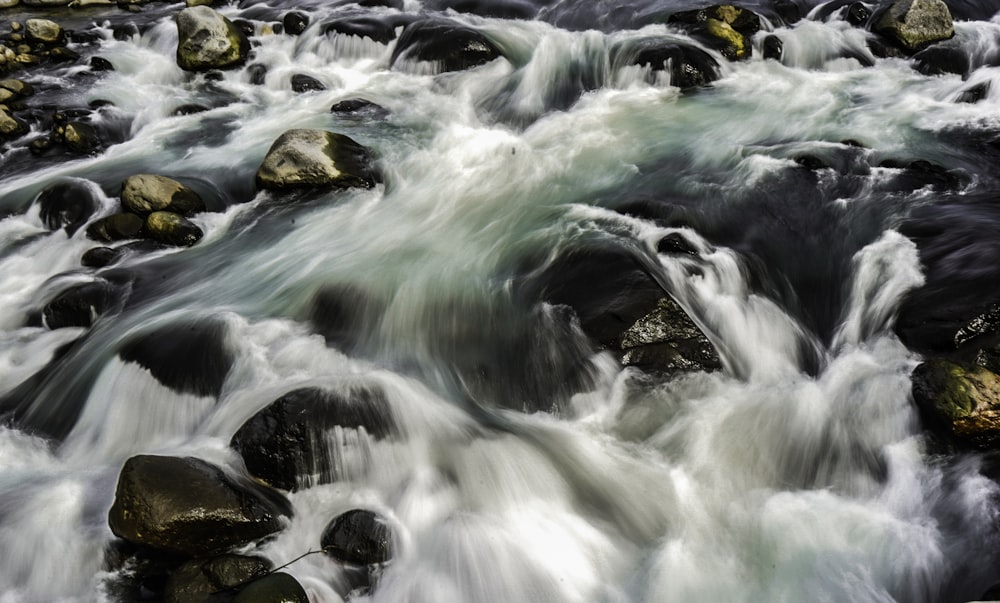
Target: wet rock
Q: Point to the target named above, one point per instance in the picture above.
(960, 401)
(340, 313)
(67, 205)
(189, 357)
(44, 31)
(773, 47)
(172, 229)
(675, 243)
(41, 146)
(974, 93)
(919, 173)
(359, 106)
(19, 88)
(11, 127)
(62, 55)
(358, 537)
(99, 257)
(938, 60)
(312, 158)
(208, 40)
(100, 64)
(689, 66)
(283, 445)
(80, 138)
(79, 305)
(146, 193)
(278, 588)
(188, 506)
(201, 581)
(363, 27)
(724, 27)
(450, 46)
(116, 227)
(667, 341)
(295, 23)
(858, 14)
(915, 24)
(257, 74)
(304, 83)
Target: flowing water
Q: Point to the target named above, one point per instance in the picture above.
(799, 472)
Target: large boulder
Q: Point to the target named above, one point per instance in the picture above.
(188, 506)
(288, 443)
(207, 40)
(447, 45)
(67, 205)
(915, 24)
(43, 31)
(358, 537)
(145, 193)
(667, 340)
(960, 400)
(724, 27)
(316, 158)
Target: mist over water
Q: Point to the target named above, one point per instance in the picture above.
(530, 465)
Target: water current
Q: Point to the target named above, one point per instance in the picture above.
(798, 472)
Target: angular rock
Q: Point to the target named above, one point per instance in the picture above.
(724, 27)
(286, 443)
(116, 227)
(79, 305)
(915, 24)
(145, 193)
(358, 537)
(67, 205)
(188, 506)
(44, 31)
(314, 158)
(449, 45)
(189, 357)
(274, 588)
(960, 401)
(10, 126)
(172, 229)
(199, 581)
(208, 40)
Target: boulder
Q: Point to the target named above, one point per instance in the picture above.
(960, 401)
(448, 45)
(145, 193)
(199, 580)
(724, 27)
(80, 138)
(357, 107)
(67, 205)
(306, 83)
(773, 47)
(295, 22)
(172, 229)
(358, 537)
(44, 31)
(208, 40)
(315, 158)
(667, 341)
(915, 24)
(11, 127)
(19, 88)
(688, 65)
(99, 257)
(286, 443)
(79, 305)
(190, 357)
(188, 506)
(278, 587)
(116, 227)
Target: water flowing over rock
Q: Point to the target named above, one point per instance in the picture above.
(208, 40)
(80, 305)
(316, 158)
(358, 537)
(189, 356)
(915, 24)
(725, 27)
(145, 193)
(201, 581)
(688, 66)
(67, 205)
(188, 506)
(448, 45)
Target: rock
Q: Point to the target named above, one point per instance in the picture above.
(116, 227)
(44, 31)
(188, 506)
(283, 444)
(773, 47)
(18, 87)
(172, 229)
(11, 127)
(974, 93)
(208, 40)
(675, 243)
(257, 74)
(449, 45)
(274, 588)
(917, 174)
(915, 24)
(295, 22)
(358, 537)
(689, 66)
(80, 138)
(41, 146)
(9, 3)
(192, 3)
(667, 341)
(189, 357)
(304, 83)
(79, 305)
(359, 106)
(724, 27)
(63, 55)
(340, 313)
(146, 193)
(960, 401)
(100, 64)
(858, 14)
(312, 158)
(99, 257)
(67, 205)
(197, 581)
(376, 30)
(938, 60)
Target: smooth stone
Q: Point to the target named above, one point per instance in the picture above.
(146, 193)
(312, 158)
(278, 587)
(189, 357)
(67, 205)
(295, 23)
(449, 45)
(44, 31)
(358, 537)
(116, 227)
(79, 305)
(99, 257)
(11, 126)
(172, 229)
(915, 24)
(207, 40)
(305, 83)
(202, 581)
(81, 138)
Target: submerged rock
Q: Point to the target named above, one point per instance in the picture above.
(208, 40)
(688, 65)
(79, 305)
(724, 27)
(358, 537)
(67, 205)
(146, 193)
(189, 357)
(449, 45)
(172, 229)
(313, 158)
(188, 506)
(286, 443)
(915, 24)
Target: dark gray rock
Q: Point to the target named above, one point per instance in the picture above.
(316, 158)
(916, 24)
(188, 506)
(99, 257)
(172, 229)
(359, 107)
(207, 581)
(80, 138)
(295, 22)
(274, 588)
(116, 227)
(773, 47)
(449, 45)
(724, 27)
(67, 205)
(80, 305)
(358, 537)
(286, 443)
(188, 357)
(377, 30)
(305, 83)
(208, 40)
(688, 65)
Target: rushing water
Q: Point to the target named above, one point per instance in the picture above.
(797, 473)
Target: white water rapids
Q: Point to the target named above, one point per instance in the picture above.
(762, 482)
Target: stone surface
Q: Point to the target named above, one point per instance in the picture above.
(274, 588)
(688, 66)
(315, 158)
(358, 537)
(208, 40)
(724, 27)
(116, 227)
(190, 356)
(204, 581)
(10, 126)
(80, 138)
(667, 340)
(449, 45)
(145, 193)
(44, 31)
(959, 400)
(172, 229)
(915, 24)
(79, 305)
(67, 205)
(188, 506)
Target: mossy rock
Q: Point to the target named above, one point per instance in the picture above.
(207, 40)
(960, 401)
(916, 24)
(724, 27)
(172, 229)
